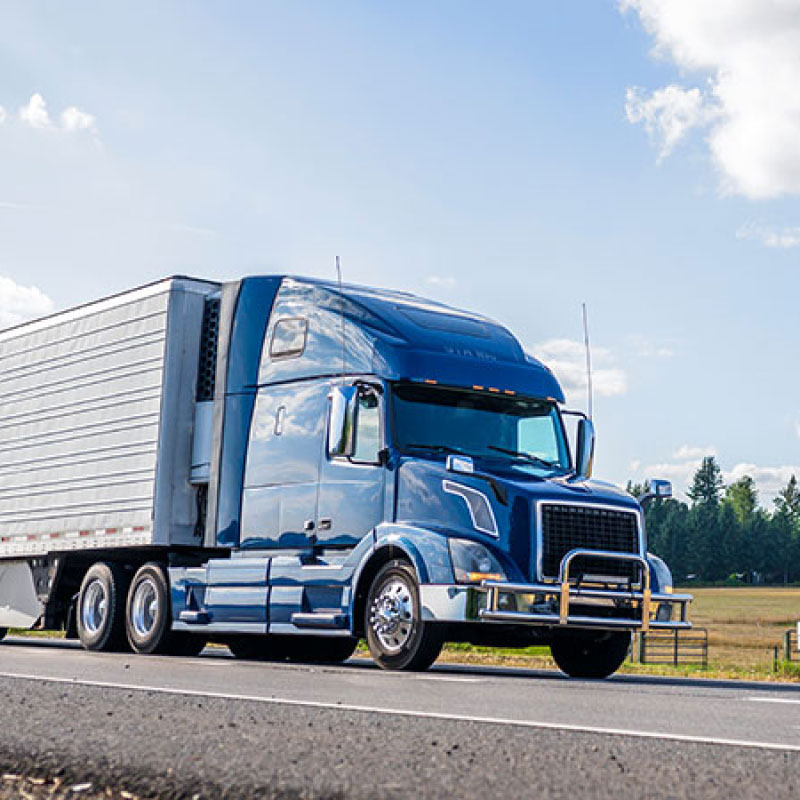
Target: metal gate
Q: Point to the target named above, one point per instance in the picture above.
(676, 648)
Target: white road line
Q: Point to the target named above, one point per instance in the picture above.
(787, 700)
(401, 712)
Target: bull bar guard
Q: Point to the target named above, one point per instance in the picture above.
(642, 600)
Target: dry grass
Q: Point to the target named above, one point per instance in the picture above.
(745, 624)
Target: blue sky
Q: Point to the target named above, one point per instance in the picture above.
(515, 158)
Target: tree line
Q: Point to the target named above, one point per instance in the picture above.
(723, 534)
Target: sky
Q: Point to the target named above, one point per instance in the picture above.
(513, 158)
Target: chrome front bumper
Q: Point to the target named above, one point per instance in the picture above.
(641, 602)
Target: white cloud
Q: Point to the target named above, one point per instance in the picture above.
(746, 56)
(20, 303)
(681, 467)
(567, 359)
(3, 115)
(770, 236)
(667, 114)
(769, 480)
(35, 113)
(445, 282)
(647, 348)
(73, 119)
(695, 454)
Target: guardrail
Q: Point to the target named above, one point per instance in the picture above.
(675, 648)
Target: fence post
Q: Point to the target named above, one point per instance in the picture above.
(675, 649)
(642, 648)
(787, 645)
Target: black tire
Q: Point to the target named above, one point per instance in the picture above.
(148, 611)
(397, 637)
(3, 633)
(100, 608)
(586, 654)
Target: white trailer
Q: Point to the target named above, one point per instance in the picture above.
(96, 423)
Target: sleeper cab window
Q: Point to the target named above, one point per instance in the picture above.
(289, 338)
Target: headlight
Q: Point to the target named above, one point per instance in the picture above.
(473, 563)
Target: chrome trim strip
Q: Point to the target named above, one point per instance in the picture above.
(463, 492)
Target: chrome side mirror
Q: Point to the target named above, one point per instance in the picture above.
(342, 421)
(584, 449)
(660, 489)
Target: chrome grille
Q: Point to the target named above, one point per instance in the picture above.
(571, 527)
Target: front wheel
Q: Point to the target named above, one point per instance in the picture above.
(584, 654)
(397, 636)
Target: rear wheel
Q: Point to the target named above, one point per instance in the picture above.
(397, 636)
(585, 654)
(3, 633)
(100, 615)
(147, 615)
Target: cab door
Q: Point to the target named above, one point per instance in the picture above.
(352, 489)
(282, 475)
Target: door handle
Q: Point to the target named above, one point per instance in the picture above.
(325, 524)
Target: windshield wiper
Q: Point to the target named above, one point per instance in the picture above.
(542, 462)
(439, 448)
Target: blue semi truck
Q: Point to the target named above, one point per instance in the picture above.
(286, 465)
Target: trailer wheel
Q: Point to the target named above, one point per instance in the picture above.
(100, 617)
(583, 654)
(147, 613)
(398, 638)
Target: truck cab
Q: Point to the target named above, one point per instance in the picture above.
(402, 472)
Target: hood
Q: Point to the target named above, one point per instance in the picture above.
(430, 496)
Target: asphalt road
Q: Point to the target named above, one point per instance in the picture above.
(214, 727)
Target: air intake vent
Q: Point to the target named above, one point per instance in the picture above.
(207, 370)
(568, 527)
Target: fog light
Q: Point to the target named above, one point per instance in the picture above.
(507, 602)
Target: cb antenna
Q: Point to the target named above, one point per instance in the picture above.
(341, 314)
(588, 360)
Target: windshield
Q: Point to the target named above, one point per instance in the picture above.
(523, 431)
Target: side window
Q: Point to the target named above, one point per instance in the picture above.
(536, 435)
(368, 427)
(289, 338)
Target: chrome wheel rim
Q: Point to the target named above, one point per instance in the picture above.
(94, 607)
(144, 608)
(391, 615)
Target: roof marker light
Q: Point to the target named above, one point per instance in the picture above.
(431, 381)
(492, 389)
(479, 388)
